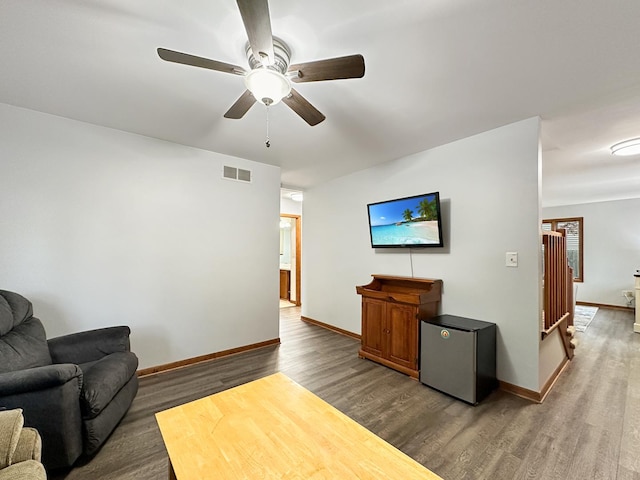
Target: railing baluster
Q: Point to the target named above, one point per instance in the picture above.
(558, 281)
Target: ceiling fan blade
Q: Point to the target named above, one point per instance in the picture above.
(351, 66)
(186, 59)
(242, 106)
(255, 16)
(302, 107)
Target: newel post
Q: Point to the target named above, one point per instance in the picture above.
(636, 326)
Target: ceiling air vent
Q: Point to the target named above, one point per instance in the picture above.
(238, 174)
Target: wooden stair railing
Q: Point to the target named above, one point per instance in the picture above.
(558, 289)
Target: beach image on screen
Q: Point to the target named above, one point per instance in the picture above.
(408, 221)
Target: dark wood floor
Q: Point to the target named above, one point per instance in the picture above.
(588, 427)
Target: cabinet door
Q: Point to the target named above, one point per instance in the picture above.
(373, 326)
(403, 335)
(284, 284)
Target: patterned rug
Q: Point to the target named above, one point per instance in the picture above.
(583, 316)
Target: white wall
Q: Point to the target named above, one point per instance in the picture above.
(290, 207)
(552, 355)
(101, 227)
(488, 186)
(611, 247)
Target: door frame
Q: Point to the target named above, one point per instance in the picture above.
(298, 220)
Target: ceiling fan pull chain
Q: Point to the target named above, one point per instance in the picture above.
(268, 142)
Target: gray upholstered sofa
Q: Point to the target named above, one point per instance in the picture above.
(20, 449)
(73, 389)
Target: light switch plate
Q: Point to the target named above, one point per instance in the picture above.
(511, 259)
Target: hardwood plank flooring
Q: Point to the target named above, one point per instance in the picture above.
(587, 428)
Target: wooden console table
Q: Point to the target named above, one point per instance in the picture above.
(392, 308)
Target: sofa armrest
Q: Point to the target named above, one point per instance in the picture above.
(29, 469)
(39, 378)
(89, 346)
(49, 397)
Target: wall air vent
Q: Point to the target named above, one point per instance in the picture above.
(238, 174)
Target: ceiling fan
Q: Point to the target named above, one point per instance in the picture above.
(269, 79)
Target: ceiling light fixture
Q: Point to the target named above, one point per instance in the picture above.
(267, 86)
(628, 147)
(296, 196)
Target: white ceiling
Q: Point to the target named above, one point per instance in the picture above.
(436, 71)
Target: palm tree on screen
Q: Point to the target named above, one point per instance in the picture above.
(407, 215)
(427, 209)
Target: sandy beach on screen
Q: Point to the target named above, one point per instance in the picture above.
(427, 230)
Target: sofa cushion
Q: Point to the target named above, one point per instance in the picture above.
(11, 422)
(29, 446)
(25, 346)
(21, 308)
(6, 316)
(104, 379)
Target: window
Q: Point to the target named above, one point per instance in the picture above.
(573, 229)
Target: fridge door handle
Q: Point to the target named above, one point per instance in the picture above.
(475, 356)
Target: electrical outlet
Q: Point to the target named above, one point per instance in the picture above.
(511, 259)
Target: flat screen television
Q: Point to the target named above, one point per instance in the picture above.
(410, 222)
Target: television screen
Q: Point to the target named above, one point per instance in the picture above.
(406, 222)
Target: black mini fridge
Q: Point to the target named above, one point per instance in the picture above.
(458, 356)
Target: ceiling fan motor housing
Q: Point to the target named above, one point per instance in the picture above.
(282, 55)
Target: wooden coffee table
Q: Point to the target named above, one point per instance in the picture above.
(273, 428)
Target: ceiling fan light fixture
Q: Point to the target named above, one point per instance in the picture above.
(270, 73)
(267, 86)
(626, 148)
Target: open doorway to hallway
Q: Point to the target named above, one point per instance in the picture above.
(290, 248)
(289, 260)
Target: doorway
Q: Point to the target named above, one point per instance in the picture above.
(290, 246)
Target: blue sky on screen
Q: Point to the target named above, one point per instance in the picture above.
(386, 213)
